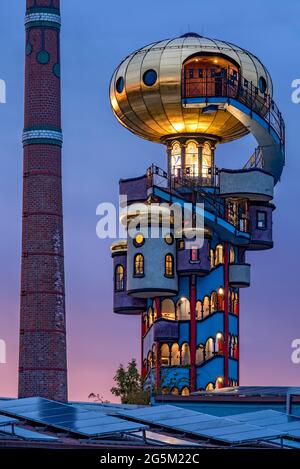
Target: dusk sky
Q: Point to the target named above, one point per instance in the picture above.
(98, 151)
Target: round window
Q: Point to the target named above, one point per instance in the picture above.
(139, 240)
(169, 238)
(150, 77)
(120, 84)
(262, 84)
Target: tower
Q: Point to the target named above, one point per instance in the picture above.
(42, 362)
(192, 94)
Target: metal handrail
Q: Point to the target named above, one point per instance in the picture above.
(239, 88)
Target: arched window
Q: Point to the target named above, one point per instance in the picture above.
(198, 310)
(185, 391)
(119, 278)
(183, 309)
(154, 310)
(150, 316)
(185, 354)
(232, 255)
(206, 307)
(176, 158)
(191, 159)
(219, 382)
(219, 343)
(213, 302)
(209, 387)
(149, 361)
(165, 355)
(209, 348)
(138, 265)
(221, 299)
(206, 160)
(175, 391)
(169, 265)
(236, 303)
(212, 258)
(175, 355)
(219, 255)
(235, 348)
(168, 309)
(154, 354)
(200, 354)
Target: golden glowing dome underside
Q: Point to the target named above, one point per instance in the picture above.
(155, 112)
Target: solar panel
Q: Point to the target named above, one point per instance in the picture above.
(202, 425)
(4, 420)
(27, 434)
(67, 417)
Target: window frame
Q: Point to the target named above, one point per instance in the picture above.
(135, 274)
(172, 264)
(262, 212)
(118, 281)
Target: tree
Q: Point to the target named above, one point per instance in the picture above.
(130, 385)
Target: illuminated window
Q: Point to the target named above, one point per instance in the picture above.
(175, 355)
(200, 354)
(194, 254)
(261, 220)
(214, 302)
(119, 278)
(180, 244)
(209, 348)
(209, 387)
(219, 255)
(185, 354)
(150, 316)
(219, 382)
(176, 158)
(185, 391)
(212, 258)
(139, 240)
(138, 265)
(206, 160)
(175, 391)
(165, 355)
(219, 343)
(168, 309)
(169, 265)
(206, 306)
(199, 310)
(232, 255)
(191, 159)
(183, 309)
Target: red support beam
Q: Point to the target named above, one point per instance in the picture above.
(157, 368)
(226, 314)
(193, 332)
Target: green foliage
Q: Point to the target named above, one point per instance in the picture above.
(129, 385)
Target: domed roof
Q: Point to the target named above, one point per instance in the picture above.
(146, 89)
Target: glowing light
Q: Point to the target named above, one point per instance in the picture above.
(179, 126)
(220, 380)
(221, 291)
(219, 335)
(216, 61)
(139, 238)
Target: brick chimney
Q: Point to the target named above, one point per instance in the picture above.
(42, 362)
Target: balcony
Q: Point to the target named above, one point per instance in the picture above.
(165, 330)
(253, 184)
(239, 275)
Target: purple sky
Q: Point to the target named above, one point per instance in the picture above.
(97, 152)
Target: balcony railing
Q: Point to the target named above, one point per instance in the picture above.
(242, 90)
